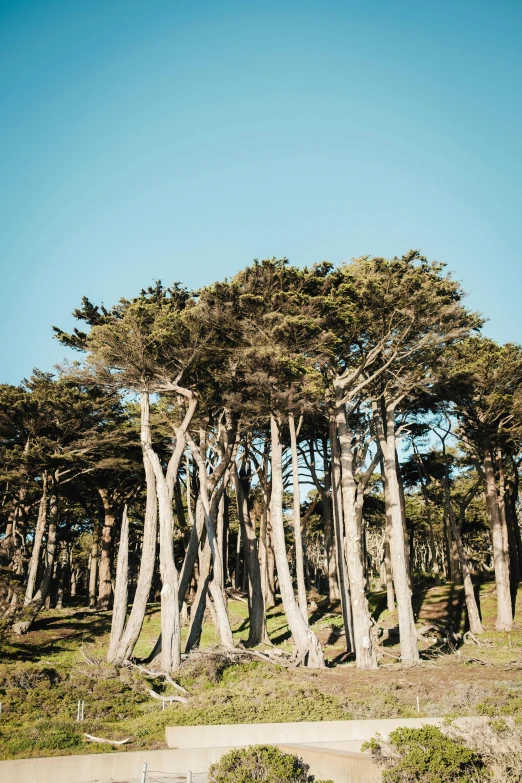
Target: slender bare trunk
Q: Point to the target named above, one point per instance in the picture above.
(475, 624)
(197, 611)
(364, 649)
(385, 428)
(299, 559)
(136, 617)
(513, 497)
(337, 506)
(37, 543)
(270, 600)
(308, 648)
(508, 534)
(216, 587)
(262, 549)
(431, 538)
(93, 562)
(220, 531)
(105, 582)
(61, 572)
(31, 611)
(390, 592)
(256, 607)
(408, 549)
(119, 611)
(504, 608)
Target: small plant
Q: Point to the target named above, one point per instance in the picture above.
(426, 755)
(260, 764)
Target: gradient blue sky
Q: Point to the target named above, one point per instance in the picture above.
(179, 140)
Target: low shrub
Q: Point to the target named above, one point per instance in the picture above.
(260, 764)
(426, 755)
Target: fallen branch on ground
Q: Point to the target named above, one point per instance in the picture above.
(166, 698)
(153, 674)
(107, 741)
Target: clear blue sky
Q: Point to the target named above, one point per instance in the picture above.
(179, 140)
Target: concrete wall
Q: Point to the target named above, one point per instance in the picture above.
(325, 764)
(337, 765)
(284, 733)
(107, 766)
(328, 747)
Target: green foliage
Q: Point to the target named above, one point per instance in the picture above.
(262, 763)
(426, 755)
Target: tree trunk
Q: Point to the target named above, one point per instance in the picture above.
(475, 625)
(136, 617)
(31, 611)
(364, 649)
(385, 428)
(431, 537)
(37, 543)
(237, 570)
(510, 544)
(170, 622)
(299, 559)
(270, 600)
(308, 648)
(513, 497)
(105, 582)
(256, 607)
(197, 611)
(390, 592)
(216, 587)
(220, 531)
(407, 547)
(504, 609)
(93, 563)
(337, 507)
(119, 611)
(334, 593)
(63, 562)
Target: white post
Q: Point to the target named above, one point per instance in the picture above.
(189, 776)
(83, 711)
(418, 704)
(144, 774)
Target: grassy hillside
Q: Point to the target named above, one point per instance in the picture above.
(43, 675)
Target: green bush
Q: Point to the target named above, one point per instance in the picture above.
(426, 755)
(260, 764)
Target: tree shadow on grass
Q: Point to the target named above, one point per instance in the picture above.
(57, 634)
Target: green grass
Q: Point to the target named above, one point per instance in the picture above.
(43, 674)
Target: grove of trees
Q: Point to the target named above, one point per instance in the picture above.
(284, 433)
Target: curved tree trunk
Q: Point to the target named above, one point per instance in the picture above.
(270, 600)
(256, 606)
(136, 617)
(475, 625)
(299, 556)
(364, 649)
(197, 611)
(504, 608)
(308, 648)
(337, 507)
(93, 563)
(408, 633)
(119, 611)
(62, 567)
(37, 543)
(31, 611)
(105, 582)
